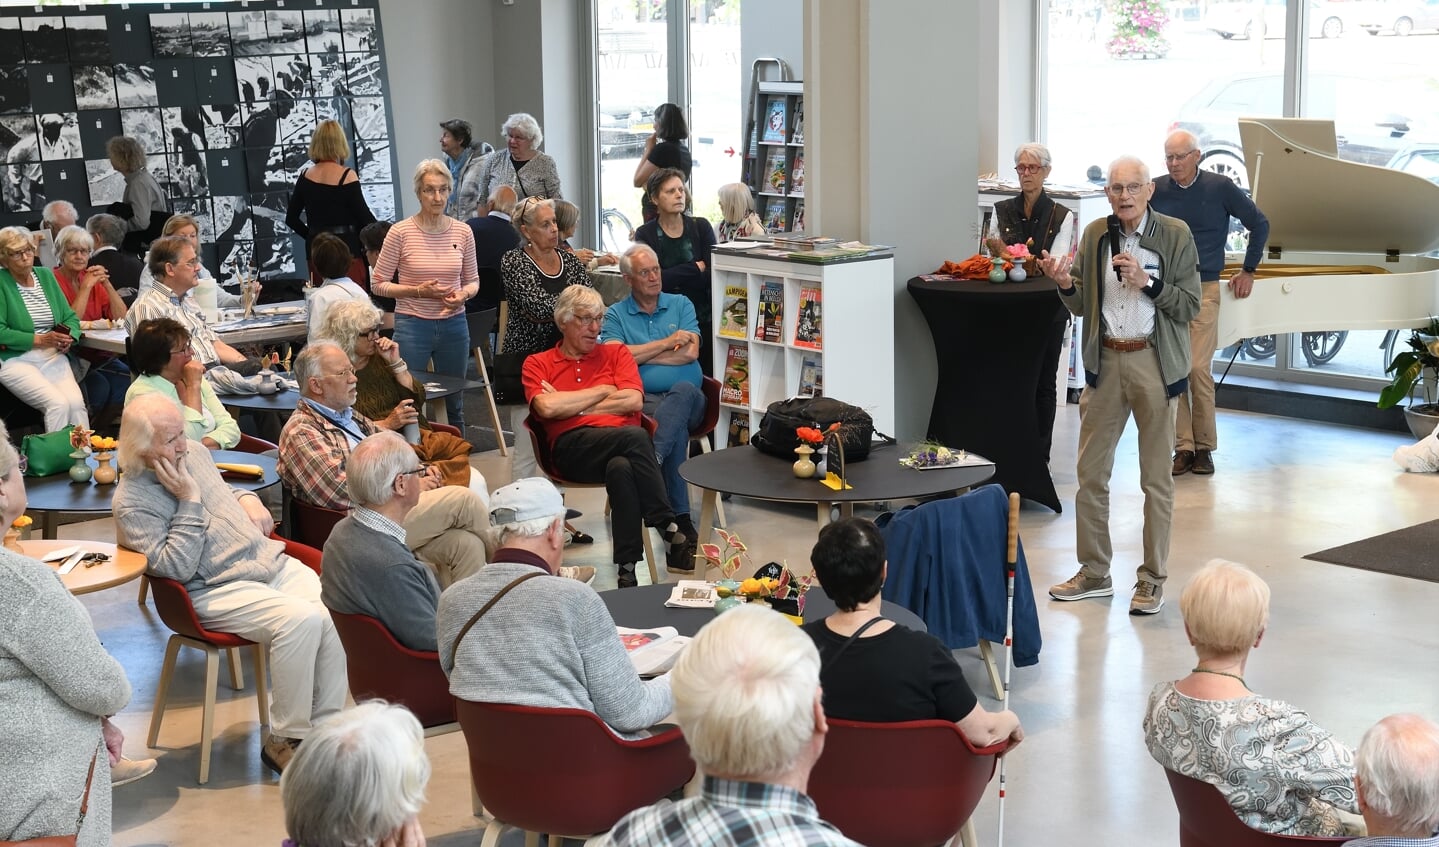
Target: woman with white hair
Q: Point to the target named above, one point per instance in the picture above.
(521, 165)
(143, 207)
(1280, 772)
(37, 329)
(741, 221)
(359, 779)
(98, 306)
(434, 256)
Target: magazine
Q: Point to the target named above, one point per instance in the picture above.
(811, 377)
(774, 122)
(734, 317)
(799, 217)
(652, 651)
(798, 137)
(769, 327)
(807, 330)
(796, 175)
(734, 389)
(774, 215)
(774, 172)
(692, 594)
(738, 430)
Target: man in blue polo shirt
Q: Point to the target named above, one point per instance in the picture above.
(663, 334)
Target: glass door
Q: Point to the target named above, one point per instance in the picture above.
(632, 72)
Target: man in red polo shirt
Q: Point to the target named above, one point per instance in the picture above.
(589, 396)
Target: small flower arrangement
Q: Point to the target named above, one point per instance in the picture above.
(728, 559)
(813, 435)
(731, 557)
(103, 445)
(932, 454)
(80, 439)
(1018, 252)
(23, 522)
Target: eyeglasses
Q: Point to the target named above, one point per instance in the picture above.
(1132, 189)
(1171, 158)
(435, 191)
(346, 373)
(372, 331)
(588, 320)
(93, 559)
(646, 272)
(76, 251)
(23, 251)
(420, 471)
(183, 351)
(1029, 169)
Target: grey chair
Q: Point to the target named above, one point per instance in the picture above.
(481, 324)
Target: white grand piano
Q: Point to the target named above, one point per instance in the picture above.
(1324, 211)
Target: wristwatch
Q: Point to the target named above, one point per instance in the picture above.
(1250, 270)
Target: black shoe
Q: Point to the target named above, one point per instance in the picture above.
(627, 576)
(1203, 463)
(680, 558)
(1183, 462)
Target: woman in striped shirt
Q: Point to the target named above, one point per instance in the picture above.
(434, 256)
(37, 327)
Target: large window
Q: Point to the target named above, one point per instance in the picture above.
(1122, 73)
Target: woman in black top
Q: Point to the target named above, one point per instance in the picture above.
(682, 243)
(327, 198)
(873, 669)
(665, 148)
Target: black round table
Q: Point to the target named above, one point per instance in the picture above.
(989, 343)
(644, 608)
(56, 495)
(437, 387)
(747, 472)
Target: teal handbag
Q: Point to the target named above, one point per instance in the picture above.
(49, 453)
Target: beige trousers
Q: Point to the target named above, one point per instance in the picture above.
(447, 530)
(1129, 384)
(1194, 427)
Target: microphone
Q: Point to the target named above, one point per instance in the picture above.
(1116, 242)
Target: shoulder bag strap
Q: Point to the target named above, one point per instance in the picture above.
(85, 798)
(455, 648)
(848, 641)
(342, 177)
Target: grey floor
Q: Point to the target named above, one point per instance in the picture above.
(1349, 646)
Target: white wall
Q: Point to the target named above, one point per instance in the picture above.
(437, 61)
(772, 29)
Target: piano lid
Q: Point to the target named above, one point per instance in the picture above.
(1318, 202)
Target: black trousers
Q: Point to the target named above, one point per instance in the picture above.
(623, 458)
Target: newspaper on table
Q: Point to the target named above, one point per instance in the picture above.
(652, 651)
(692, 594)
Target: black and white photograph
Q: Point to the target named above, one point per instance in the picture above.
(145, 126)
(373, 161)
(369, 117)
(44, 39)
(299, 124)
(358, 27)
(256, 79)
(14, 89)
(96, 128)
(286, 31)
(362, 71)
(222, 126)
(59, 137)
(106, 184)
(209, 34)
(158, 167)
(88, 40)
(381, 200)
(295, 158)
(234, 255)
(322, 31)
(199, 209)
(187, 175)
(274, 258)
(247, 33)
(23, 188)
(170, 34)
(19, 141)
(135, 86)
(94, 87)
(294, 75)
(10, 39)
(260, 122)
(232, 218)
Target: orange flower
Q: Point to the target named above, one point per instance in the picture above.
(809, 434)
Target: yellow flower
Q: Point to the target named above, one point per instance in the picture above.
(22, 522)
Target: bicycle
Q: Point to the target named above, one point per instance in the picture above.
(1318, 347)
(609, 220)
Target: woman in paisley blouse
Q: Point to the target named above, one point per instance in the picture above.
(1280, 772)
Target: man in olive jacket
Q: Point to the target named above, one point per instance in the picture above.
(1138, 302)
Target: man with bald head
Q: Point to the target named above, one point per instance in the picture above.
(1396, 775)
(495, 235)
(1206, 201)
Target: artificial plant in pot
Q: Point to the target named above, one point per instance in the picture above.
(1419, 365)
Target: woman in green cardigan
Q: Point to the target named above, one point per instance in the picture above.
(37, 327)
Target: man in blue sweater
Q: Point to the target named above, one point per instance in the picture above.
(1206, 201)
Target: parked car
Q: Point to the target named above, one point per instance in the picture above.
(1239, 19)
(623, 130)
(1420, 159)
(1373, 118)
(1400, 17)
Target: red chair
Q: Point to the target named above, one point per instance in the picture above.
(911, 784)
(311, 524)
(251, 444)
(444, 427)
(391, 671)
(562, 771)
(536, 429)
(711, 388)
(1207, 820)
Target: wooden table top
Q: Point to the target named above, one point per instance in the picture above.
(124, 565)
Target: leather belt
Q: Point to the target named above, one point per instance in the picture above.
(1125, 345)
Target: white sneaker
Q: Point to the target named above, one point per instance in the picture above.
(582, 573)
(127, 771)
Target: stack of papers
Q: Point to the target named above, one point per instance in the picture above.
(692, 594)
(652, 651)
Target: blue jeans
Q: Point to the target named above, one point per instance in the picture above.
(677, 413)
(447, 342)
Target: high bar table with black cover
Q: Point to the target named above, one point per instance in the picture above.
(989, 343)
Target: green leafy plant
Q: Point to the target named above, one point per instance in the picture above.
(1409, 367)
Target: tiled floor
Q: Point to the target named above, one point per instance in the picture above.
(1347, 645)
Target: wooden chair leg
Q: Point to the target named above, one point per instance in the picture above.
(532, 839)
(262, 688)
(162, 691)
(650, 555)
(988, 655)
(967, 836)
(144, 589)
(493, 830)
(719, 505)
(207, 716)
(237, 669)
(490, 397)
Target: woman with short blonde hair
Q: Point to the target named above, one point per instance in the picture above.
(143, 207)
(736, 203)
(328, 198)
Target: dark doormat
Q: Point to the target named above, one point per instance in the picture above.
(1411, 552)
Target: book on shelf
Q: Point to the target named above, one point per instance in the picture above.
(811, 377)
(798, 136)
(796, 175)
(775, 179)
(652, 651)
(774, 215)
(692, 594)
(799, 217)
(807, 328)
(770, 326)
(734, 317)
(734, 388)
(774, 121)
(738, 430)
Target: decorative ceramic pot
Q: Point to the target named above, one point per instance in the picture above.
(724, 604)
(12, 541)
(80, 471)
(804, 466)
(1017, 274)
(105, 473)
(996, 271)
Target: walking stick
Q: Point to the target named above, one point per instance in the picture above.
(1011, 557)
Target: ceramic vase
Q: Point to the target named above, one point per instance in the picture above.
(1017, 274)
(105, 473)
(12, 540)
(80, 471)
(996, 271)
(804, 466)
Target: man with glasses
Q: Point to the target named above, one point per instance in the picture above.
(1139, 301)
(1206, 201)
(176, 272)
(663, 335)
(589, 396)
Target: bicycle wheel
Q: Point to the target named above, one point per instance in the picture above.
(615, 230)
(1260, 346)
(1320, 347)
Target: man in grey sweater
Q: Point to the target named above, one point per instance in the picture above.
(368, 568)
(173, 506)
(547, 642)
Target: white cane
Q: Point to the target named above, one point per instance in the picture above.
(1011, 557)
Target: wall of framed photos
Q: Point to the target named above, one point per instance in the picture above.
(224, 97)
